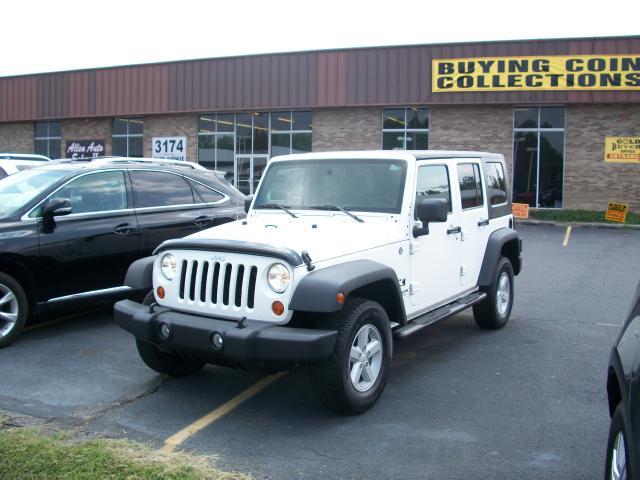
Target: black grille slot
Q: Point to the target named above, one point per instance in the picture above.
(252, 286)
(203, 284)
(239, 278)
(214, 283)
(227, 283)
(183, 273)
(194, 275)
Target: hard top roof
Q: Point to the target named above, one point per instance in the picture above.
(390, 155)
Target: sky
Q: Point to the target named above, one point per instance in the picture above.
(56, 35)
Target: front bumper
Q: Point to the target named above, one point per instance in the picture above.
(256, 342)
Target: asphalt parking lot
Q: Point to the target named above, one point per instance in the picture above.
(527, 401)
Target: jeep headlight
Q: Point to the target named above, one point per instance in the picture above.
(278, 277)
(168, 266)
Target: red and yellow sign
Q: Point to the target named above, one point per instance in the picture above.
(520, 210)
(535, 73)
(617, 212)
(622, 150)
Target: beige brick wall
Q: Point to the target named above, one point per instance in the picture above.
(86, 129)
(589, 182)
(172, 126)
(17, 137)
(347, 129)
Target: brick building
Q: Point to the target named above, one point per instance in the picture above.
(565, 113)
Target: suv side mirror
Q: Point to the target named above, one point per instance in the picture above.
(56, 207)
(247, 203)
(430, 210)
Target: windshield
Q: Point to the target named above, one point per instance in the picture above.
(359, 185)
(16, 191)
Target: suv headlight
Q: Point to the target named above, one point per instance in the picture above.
(168, 266)
(278, 277)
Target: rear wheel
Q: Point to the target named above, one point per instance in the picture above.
(14, 309)
(353, 379)
(494, 311)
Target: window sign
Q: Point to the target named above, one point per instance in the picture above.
(171, 148)
(84, 149)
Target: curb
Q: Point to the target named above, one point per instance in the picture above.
(551, 223)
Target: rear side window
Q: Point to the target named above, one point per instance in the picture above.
(496, 183)
(470, 185)
(433, 182)
(207, 194)
(160, 189)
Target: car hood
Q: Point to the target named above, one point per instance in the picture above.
(322, 236)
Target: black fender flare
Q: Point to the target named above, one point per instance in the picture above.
(492, 253)
(140, 274)
(317, 291)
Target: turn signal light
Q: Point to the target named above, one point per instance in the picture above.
(277, 307)
(340, 298)
(160, 292)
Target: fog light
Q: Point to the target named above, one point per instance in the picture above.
(216, 340)
(165, 331)
(277, 307)
(160, 292)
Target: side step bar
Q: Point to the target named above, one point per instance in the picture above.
(438, 314)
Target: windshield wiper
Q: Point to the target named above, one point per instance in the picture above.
(277, 205)
(336, 207)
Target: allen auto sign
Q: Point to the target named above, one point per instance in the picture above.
(550, 72)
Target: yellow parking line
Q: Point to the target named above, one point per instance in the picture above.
(178, 438)
(566, 236)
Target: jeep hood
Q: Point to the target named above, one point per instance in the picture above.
(323, 236)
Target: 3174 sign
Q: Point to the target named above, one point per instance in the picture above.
(171, 148)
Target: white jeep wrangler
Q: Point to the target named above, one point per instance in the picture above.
(339, 253)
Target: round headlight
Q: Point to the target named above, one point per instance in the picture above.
(278, 277)
(168, 266)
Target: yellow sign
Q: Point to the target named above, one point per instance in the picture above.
(617, 212)
(520, 210)
(622, 150)
(546, 72)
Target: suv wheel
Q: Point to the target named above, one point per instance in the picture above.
(494, 311)
(617, 468)
(163, 362)
(14, 309)
(354, 377)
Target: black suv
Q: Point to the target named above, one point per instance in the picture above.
(70, 230)
(623, 390)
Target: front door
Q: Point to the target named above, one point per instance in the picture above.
(249, 169)
(435, 261)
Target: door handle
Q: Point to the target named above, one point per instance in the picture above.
(453, 230)
(483, 222)
(203, 220)
(124, 229)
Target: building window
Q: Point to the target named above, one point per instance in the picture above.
(48, 140)
(127, 137)
(538, 156)
(241, 143)
(405, 128)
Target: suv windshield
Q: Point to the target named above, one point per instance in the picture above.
(358, 185)
(16, 191)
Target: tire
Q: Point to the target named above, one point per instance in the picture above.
(14, 309)
(617, 447)
(332, 379)
(494, 311)
(162, 362)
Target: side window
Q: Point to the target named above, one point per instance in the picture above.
(96, 192)
(470, 185)
(159, 189)
(433, 182)
(207, 194)
(496, 183)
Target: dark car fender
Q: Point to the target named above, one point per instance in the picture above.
(504, 241)
(140, 274)
(317, 292)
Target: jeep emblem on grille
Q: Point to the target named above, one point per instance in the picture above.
(217, 258)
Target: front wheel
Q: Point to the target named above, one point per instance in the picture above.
(494, 311)
(353, 379)
(617, 468)
(14, 309)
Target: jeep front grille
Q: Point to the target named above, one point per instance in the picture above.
(218, 283)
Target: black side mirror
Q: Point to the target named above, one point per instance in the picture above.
(247, 203)
(430, 210)
(56, 207)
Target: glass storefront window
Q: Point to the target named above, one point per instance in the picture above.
(47, 139)
(405, 128)
(127, 137)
